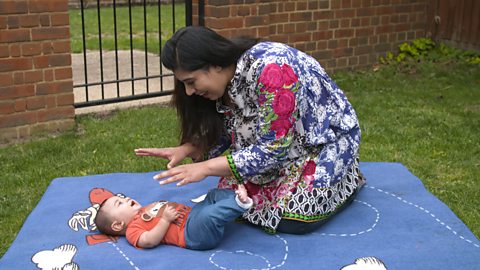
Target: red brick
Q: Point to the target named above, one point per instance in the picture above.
(347, 3)
(263, 32)
(353, 61)
(322, 15)
(323, 35)
(402, 27)
(265, 9)
(301, 5)
(362, 12)
(33, 76)
(363, 50)
(15, 50)
(50, 33)
(365, 21)
(278, 18)
(54, 60)
(344, 13)
(65, 99)
(301, 27)
(35, 103)
(363, 32)
(48, 75)
(18, 78)
(63, 73)
(45, 20)
(18, 119)
(15, 35)
(17, 91)
(319, 55)
(29, 20)
(301, 16)
(57, 113)
(289, 6)
(40, 6)
(30, 49)
(300, 37)
(3, 22)
(255, 20)
(20, 105)
(13, 7)
(13, 22)
(225, 23)
(12, 64)
(62, 46)
(381, 29)
(54, 87)
(343, 33)
(322, 45)
(345, 23)
(7, 107)
(341, 62)
(6, 79)
(47, 47)
(341, 52)
(324, 4)
(332, 44)
(59, 19)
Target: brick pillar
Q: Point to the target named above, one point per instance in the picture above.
(36, 86)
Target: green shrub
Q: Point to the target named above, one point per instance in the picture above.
(425, 49)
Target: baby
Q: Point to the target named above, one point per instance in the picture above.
(199, 227)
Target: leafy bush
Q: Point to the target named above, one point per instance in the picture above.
(425, 49)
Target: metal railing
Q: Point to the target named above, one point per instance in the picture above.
(136, 74)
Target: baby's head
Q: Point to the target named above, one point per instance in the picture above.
(114, 215)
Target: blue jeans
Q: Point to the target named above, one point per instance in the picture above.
(207, 220)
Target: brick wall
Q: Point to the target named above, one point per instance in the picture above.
(340, 34)
(36, 89)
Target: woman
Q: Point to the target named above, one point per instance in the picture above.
(291, 134)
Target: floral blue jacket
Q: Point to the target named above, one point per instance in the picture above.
(290, 128)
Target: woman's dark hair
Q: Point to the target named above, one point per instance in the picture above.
(192, 48)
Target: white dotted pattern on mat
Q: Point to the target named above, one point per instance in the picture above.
(267, 262)
(125, 256)
(427, 212)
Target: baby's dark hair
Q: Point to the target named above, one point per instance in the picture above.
(104, 221)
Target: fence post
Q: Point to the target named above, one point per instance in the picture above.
(36, 86)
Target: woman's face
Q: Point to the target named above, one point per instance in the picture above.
(208, 83)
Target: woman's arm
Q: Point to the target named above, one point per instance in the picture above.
(278, 112)
(195, 172)
(173, 154)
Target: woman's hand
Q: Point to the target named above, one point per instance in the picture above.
(184, 174)
(174, 154)
(195, 172)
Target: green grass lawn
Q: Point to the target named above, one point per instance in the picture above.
(427, 118)
(123, 27)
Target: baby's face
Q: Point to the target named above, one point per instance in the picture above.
(122, 209)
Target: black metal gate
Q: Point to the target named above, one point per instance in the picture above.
(115, 58)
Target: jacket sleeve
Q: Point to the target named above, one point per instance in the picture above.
(277, 115)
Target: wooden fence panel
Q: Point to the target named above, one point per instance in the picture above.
(456, 22)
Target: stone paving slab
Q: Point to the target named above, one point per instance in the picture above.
(112, 90)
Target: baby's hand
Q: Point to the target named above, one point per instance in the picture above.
(170, 214)
(242, 194)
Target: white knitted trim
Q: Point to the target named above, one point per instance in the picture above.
(245, 206)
